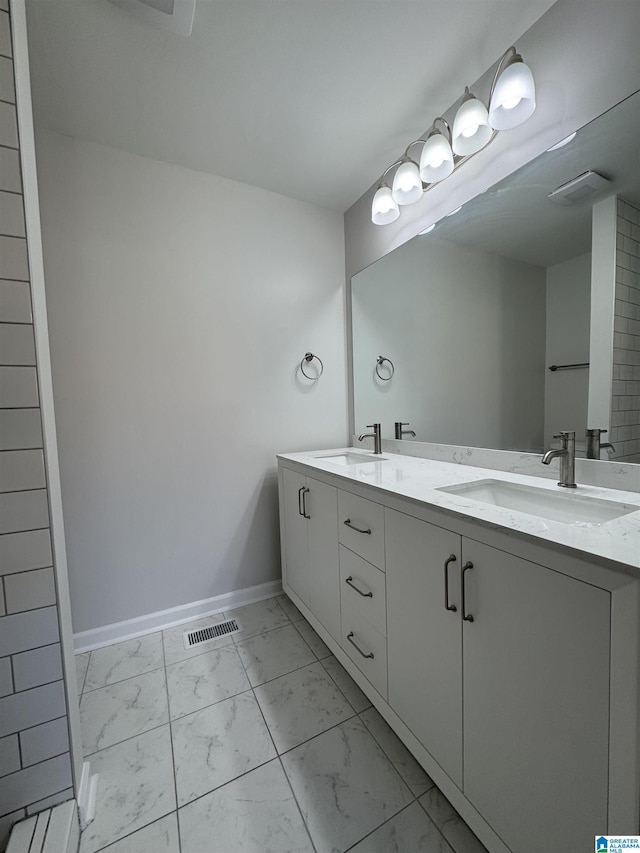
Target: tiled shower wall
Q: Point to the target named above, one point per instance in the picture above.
(625, 402)
(35, 767)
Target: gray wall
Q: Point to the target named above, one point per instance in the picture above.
(180, 305)
(465, 330)
(567, 342)
(35, 767)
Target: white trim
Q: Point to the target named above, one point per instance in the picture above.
(96, 638)
(45, 382)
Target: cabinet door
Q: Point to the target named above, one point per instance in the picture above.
(295, 527)
(536, 695)
(424, 639)
(324, 569)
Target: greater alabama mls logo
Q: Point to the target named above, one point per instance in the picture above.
(617, 843)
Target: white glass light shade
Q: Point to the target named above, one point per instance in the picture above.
(407, 186)
(514, 97)
(471, 130)
(384, 210)
(436, 162)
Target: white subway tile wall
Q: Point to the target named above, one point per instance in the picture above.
(625, 401)
(35, 766)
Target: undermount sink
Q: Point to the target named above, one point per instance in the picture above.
(351, 458)
(565, 507)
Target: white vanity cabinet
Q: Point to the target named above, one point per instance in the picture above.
(424, 638)
(511, 701)
(508, 666)
(535, 701)
(311, 546)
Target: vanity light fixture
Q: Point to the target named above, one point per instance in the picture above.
(471, 129)
(512, 100)
(436, 160)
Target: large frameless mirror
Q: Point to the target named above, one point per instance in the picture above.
(485, 323)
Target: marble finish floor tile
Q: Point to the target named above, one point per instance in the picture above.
(158, 837)
(254, 814)
(300, 705)
(82, 662)
(173, 641)
(124, 660)
(217, 744)
(136, 788)
(406, 765)
(200, 681)
(274, 653)
(259, 617)
(112, 714)
(314, 642)
(449, 822)
(345, 785)
(355, 697)
(411, 831)
(289, 608)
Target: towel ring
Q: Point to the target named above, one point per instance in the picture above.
(309, 356)
(381, 360)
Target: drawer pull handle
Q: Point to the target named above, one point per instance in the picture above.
(353, 643)
(359, 529)
(448, 606)
(349, 580)
(300, 491)
(467, 617)
(305, 492)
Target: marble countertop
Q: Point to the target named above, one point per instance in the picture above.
(419, 480)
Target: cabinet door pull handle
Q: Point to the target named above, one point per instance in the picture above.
(349, 580)
(353, 643)
(359, 529)
(448, 606)
(300, 491)
(466, 616)
(305, 491)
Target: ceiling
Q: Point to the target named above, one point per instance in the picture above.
(308, 98)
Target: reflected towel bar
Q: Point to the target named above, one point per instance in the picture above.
(568, 366)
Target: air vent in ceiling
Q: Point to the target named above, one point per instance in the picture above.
(173, 15)
(582, 188)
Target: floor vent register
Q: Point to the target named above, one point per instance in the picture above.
(201, 636)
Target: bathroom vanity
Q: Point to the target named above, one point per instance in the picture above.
(500, 643)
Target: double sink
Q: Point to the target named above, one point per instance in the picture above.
(565, 507)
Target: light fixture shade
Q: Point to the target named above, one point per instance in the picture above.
(384, 210)
(514, 97)
(407, 186)
(436, 161)
(471, 130)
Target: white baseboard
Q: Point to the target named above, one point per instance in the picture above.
(85, 641)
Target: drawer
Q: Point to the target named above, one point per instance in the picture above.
(364, 532)
(370, 656)
(369, 595)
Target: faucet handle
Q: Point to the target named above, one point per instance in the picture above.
(565, 434)
(373, 426)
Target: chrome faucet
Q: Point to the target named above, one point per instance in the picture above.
(594, 445)
(567, 456)
(376, 435)
(400, 432)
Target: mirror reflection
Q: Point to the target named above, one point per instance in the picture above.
(469, 318)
